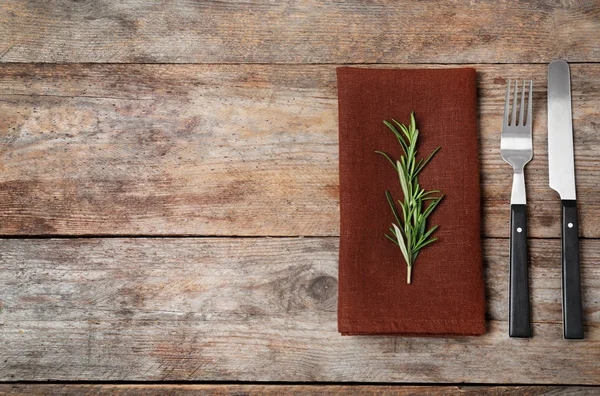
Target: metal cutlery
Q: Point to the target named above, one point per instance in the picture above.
(516, 148)
(561, 168)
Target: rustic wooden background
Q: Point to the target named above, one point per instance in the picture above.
(169, 193)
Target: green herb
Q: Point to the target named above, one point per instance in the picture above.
(410, 232)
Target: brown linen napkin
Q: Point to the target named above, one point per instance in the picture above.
(446, 296)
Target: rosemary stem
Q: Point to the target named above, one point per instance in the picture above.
(408, 273)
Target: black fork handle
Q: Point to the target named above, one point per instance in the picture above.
(519, 323)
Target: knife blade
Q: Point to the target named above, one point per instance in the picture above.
(561, 168)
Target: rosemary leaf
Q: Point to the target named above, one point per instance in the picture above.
(403, 247)
(389, 159)
(391, 202)
(391, 239)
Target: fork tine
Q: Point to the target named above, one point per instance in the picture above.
(529, 107)
(522, 104)
(522, 108)
(513, 118)
(506, 102)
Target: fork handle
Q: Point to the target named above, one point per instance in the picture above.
(519, 324)
(571, 277)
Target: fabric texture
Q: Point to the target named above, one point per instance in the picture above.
(446, 296)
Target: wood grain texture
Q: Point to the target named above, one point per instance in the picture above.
(232, 150)
(291, 390)
(258, 309)
(260, 31)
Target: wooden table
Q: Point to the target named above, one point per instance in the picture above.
(169, 194)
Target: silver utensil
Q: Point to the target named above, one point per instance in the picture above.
(516, 148)
(561, 167)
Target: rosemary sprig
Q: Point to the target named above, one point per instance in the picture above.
(409, 232)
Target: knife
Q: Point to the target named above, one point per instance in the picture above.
(561, 167)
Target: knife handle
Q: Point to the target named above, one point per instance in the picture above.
(519, 324)
(571, 278)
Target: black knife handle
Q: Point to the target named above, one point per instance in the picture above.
(519, 324)
(571, 278)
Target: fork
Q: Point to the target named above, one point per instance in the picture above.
(516, 148)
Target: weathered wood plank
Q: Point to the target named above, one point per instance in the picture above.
(257, 309)
(291, 390)
(313, 31)
(231, 150)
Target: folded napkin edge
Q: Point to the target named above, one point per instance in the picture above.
(401, 68)
(400, 327)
